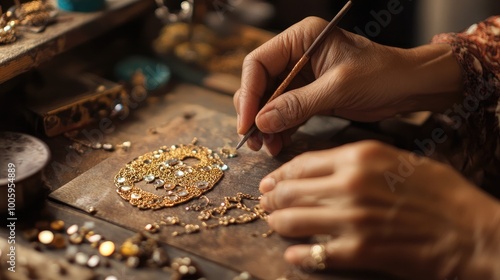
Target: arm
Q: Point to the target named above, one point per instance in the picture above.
(476, 116)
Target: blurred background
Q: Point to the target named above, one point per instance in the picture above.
(415, 24)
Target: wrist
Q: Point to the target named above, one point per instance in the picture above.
(433, 77)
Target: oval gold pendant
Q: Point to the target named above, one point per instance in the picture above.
(166, 170)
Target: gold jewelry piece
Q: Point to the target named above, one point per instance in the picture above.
(7, 29)
(219, 213)
(165, 169)
(35, 13)
(317, 258)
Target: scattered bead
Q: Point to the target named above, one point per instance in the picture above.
(107, 248)
(46, 237)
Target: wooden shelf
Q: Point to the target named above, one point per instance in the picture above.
(72, 29)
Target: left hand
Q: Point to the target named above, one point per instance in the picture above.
(386, 210)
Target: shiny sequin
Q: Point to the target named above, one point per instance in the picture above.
(202, 185)
(121, 180)
(179, 173)
(135, 196)
(126, 188)
(159, 183)
(149, 178)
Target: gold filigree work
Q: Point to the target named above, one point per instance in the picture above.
(165, 169)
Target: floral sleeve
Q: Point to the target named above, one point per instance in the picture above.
(478, 52)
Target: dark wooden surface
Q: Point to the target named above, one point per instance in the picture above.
(233, 246)
(78, 181)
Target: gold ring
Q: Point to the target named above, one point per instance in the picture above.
(317, 257)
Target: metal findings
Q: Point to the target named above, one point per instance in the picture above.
(176, 182)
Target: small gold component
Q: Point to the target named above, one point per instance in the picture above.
(107, 248)
(129, 249)
(46, 237)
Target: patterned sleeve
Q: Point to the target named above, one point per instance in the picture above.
(478, 52)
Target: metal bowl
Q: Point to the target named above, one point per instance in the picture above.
(22, 159)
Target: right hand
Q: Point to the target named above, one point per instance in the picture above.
(349, 76)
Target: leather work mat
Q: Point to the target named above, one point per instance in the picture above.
(239, 247)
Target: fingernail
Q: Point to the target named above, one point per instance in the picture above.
(267, 184)
(271, 121)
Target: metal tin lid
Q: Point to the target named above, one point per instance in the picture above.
(29, 155)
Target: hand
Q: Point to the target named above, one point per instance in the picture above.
(386, 210)
(349, 76)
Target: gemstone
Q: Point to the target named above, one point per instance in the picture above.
(202, 185)
(81, 258)
(159, 183)
(108, 147)
(46, 237)
(135, 196)
(94, 238)
(173, 197)
(107, 248)
(147, 161)
(72, 230)
(169, 186)
(194, 151)
(206, 168)
(111, 277)
(125, 188)
(157, 156)
(223, 167)
(182, 193)
(121, 180)
(173, 147)
(149, 178)
(93, 261)
(179, 173)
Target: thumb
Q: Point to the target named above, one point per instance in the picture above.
(292, 108)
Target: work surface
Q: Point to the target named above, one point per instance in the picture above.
(78, 182)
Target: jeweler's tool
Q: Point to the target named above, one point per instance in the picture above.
(301, 63)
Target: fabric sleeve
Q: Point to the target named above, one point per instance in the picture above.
(477, 119)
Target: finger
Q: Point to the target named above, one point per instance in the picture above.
(299, 193)
(255, 141)
(307, 165)
(270, 60)
(325, 191)
(273, 143)
(347, 253)
(295, 107)
(308, 221)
